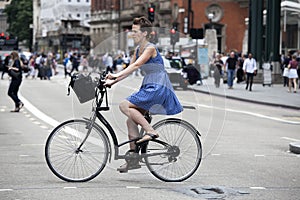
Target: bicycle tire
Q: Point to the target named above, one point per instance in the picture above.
(76, 166)
(183, 140)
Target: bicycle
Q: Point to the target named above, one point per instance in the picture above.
(77, 150)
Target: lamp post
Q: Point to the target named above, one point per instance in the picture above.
(210, 17)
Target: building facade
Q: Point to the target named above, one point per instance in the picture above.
(3, 23)
(110, 18)
(61, 25)
(230, 19)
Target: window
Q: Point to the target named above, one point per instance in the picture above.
(78, 15)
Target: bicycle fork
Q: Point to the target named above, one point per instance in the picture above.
(89, 127)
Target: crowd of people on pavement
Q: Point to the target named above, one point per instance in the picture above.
(232, 68)
(243, 68)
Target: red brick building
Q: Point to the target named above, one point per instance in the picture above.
(109, 17)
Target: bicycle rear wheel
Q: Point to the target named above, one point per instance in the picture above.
(68, 162)
(176, 154)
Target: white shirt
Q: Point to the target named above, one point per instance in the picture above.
(249, 65)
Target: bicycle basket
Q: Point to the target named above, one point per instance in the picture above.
(84, 87)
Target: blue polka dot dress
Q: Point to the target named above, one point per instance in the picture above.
(156, 94)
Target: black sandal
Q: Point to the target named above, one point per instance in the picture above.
(152, 137)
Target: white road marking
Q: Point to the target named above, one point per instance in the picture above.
(133, 187)
(24, 155)
(4, 190)
(258, 188)
(290, 139)
(244, 112)
(70, 187)
(39, 114)
(258, 155)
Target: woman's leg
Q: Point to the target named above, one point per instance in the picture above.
(295, 84)
(290, 84)
(135, 115)
(13, 92)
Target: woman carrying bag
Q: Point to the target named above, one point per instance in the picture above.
(15, 71)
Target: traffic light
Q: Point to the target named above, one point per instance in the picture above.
(2, 35)
(174, 36)
(151, 13)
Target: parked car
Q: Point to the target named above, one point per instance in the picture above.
(174, 67)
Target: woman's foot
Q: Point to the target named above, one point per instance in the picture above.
(15, 110)
(147, 137)
(21, 104)
(128, 166)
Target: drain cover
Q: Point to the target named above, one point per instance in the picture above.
(213, 192)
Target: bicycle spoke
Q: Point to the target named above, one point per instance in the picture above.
(181, 158)
(70, 163)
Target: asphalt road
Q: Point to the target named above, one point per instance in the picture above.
(245, 148)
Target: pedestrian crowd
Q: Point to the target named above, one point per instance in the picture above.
(239, 68)
(43, 66)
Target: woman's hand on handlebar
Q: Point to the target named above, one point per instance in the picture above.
(110, 79)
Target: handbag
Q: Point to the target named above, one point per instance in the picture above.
(286, 72)
(13, 73)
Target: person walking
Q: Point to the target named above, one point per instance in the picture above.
(218, 66)
(109, 63)
(75, 62)
(250, 70)
(6, 65)
(155, 96)
(231, 64)
(293, 66)
(15, 71)
(285, 73)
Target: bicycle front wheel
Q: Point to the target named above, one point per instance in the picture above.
(176, 154)
(71, 163)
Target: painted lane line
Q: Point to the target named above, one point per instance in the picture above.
(257, 188)
(133, 187)
(5, 190)
(244, 112)
(290, 139)
(39, 114)
(258, 155)
(70, 188)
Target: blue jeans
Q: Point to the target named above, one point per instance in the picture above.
(230, 77)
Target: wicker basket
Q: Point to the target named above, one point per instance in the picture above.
(84, 88)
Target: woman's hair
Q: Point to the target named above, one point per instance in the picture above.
(144, 23)
(14, 55)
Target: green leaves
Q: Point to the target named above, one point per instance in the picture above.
(19, 17)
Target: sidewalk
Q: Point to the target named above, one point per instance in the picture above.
(275, 95)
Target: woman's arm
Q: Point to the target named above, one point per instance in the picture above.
(134, 65)
(16, 65)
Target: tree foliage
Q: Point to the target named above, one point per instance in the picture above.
(19, 17)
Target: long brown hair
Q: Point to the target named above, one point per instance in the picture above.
(14, 55)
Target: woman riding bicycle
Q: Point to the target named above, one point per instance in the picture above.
(156, 95)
